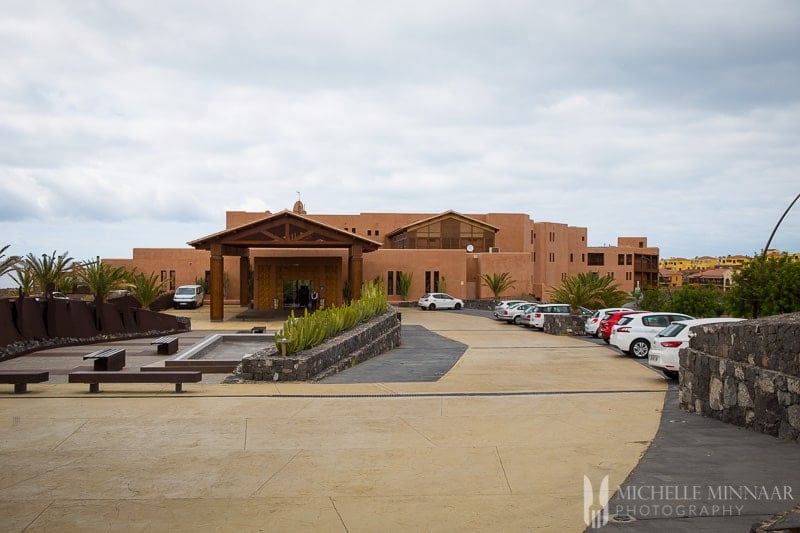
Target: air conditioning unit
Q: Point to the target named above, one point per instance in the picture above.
(494, 250)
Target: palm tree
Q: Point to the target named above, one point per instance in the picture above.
(23, 278)
(145, 289)
(102, 278)
(498, 283)
(588, 289)
(47, 269)
(9, 264)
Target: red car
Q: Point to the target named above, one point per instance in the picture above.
(604, 329)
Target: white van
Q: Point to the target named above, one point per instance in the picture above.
(188, 296)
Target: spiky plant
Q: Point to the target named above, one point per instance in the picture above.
(47, 269)
(404, 283)
(8, 264)
(102, 278)
(588, 289)
(146, 289)
(498, 283)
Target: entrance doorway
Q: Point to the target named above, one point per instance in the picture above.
(297, 293)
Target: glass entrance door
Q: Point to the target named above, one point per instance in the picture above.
(296, 293)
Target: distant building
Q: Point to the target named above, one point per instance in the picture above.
(281, 256)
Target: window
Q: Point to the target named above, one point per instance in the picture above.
(628, 276)
(596, 259)
(641, 244)
(172, 280)
(552, 257)
(629, 259)
(621, 259)
(390, 282)
(583, 258)
(377, 232)
(533, 236)
(431, 276)
(354, 230)
(369, 233)
(570, 258)
(163, 275)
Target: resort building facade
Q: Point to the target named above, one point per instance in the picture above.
(281, 258)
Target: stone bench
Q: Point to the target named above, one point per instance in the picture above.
(21, 378)
(94, 378)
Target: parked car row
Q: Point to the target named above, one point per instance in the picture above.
(531, 314)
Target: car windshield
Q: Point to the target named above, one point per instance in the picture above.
(672, 330)
(185, 290)
(624, 320)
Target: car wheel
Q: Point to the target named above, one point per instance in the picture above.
(516, 320)
(457, 306)
(432, 307)
(640, 348)
(671, 374)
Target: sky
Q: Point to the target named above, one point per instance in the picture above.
(138, 124)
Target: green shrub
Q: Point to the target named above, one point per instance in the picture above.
(311, 330)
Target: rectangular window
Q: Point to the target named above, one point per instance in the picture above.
(377, 232)
(172, 280)
(621, 259)
(397, 281)
(163, 275)
(583, 258)
(596, 259)
(533, 236)
(354, 230)
(571, 259)
(369, 233)
(436, 280)
(427, 281)
(390, 282)
(629, 259)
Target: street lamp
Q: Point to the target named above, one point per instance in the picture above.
(764, 253)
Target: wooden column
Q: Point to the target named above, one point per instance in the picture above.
(217, 272)
(356, 270)
(244, 281)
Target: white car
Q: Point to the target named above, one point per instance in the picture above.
(668, 342)
(514, 313)
(535, 318)
(506, 303)
(439, 300)
(593, 322)
(634, 334)
(190, 296)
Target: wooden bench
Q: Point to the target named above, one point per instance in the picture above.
(95, 378)
(21, 378)
(166, 345)
(107, 359)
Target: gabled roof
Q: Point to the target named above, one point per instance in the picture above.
(285, 229)
(442, 216)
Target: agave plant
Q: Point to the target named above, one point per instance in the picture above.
(312, 329)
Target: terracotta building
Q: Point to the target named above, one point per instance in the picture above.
(275, 260)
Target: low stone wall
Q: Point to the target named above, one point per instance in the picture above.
(564, 325)
(746, 373)
(363, 342)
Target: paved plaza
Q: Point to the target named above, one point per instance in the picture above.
(501, 442)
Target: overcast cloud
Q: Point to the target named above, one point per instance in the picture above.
(138, 124)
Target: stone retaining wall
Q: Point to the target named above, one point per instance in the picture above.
(746, 373)
(564, 325)
(363, 342)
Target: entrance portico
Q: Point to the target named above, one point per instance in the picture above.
(296, 236)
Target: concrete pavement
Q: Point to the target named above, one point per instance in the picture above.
(500, 443)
